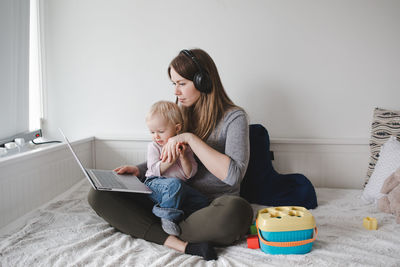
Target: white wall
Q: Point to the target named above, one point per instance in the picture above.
(304, 69)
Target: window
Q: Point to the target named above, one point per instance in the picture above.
(14, 53)
(20, 67)
(35, 75)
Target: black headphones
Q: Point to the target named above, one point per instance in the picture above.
(201, 79)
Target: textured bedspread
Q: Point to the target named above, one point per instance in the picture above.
(67, 232)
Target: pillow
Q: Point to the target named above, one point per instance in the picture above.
(265, 186)
(385, 123)
(388, 162)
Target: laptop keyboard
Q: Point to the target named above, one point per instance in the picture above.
(107, 180)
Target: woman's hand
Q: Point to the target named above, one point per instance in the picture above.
(170, 151)
(127, 169)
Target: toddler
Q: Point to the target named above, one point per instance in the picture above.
(175, 200)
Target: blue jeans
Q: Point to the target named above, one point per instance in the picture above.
(175, 200)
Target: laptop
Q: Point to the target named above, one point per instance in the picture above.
(106, 180)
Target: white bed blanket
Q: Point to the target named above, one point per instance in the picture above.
(67, 232)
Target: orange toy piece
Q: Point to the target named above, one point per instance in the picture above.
(252, 242)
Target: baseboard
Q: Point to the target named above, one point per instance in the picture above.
(326, 165)
(334, 163)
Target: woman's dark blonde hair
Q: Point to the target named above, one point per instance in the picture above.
(202, 118)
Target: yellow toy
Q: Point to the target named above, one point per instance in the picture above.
(370, 223)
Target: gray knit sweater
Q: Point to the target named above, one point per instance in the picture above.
(231, 137)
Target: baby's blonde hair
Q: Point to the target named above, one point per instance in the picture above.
(167, 110)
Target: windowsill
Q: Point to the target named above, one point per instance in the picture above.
(37, 151)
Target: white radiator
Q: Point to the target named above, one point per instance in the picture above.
(29, 180)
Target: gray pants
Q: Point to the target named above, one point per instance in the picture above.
(224, 221)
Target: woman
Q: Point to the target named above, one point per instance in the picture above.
(217, 132)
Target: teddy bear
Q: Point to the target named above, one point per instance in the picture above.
(390, 203)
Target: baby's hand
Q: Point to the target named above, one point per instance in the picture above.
(181, 147)
(170, 151)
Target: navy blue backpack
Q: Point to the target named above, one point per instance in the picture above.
(263, 185)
